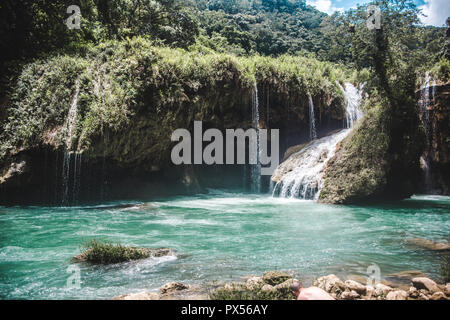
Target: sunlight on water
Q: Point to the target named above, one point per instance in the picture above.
(217, 236)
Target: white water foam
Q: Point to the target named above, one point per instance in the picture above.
(301, 175)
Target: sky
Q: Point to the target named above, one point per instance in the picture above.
(436, 11)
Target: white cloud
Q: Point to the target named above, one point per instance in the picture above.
(324, 6)
(436, 11)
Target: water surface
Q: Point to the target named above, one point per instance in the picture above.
(219, 236)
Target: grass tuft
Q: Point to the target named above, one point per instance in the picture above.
(103, 252)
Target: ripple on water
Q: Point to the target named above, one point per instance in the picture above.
(218, 236)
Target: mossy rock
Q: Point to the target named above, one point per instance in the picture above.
(276, 277)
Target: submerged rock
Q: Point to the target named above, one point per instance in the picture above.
(429, 244)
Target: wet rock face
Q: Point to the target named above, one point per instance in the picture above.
(436, 121)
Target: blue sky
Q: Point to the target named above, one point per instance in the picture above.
(436, 11)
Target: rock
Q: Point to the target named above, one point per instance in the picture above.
(235, 286)
(429, 244)
(253, 283)
(285, 285)
(267, 288)
(370, 293)
(413, 293)
(138, 296)
(161, 252)
(15, 169)
(358, 278)
(438, 296)
(397, 285)
(425, 283)
(173, 286)
(397, 295)
(382, 290)
(349, 295)
(355, 286)
(275, 277)
(330, 283)
(447, 289)
(423, 296)
(402, 279)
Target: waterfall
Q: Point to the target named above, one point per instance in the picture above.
(312, 120)
(255, 168)
(70, 123)
(425, 114)
(352, 104)
(301, 175)
(76, 178)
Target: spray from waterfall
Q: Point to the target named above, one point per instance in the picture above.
(255, 171)
(312, 120)
(301, 175)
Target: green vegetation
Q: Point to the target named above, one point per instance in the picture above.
(137, 70)
(441, 70)
(103, 252)
(239, 292)
(121, 81)
(359, 169)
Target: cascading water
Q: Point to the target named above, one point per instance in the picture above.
(312, 120)
(301, 175)
(426, 116)
(255, 168)
(70, 124)
(352, 104)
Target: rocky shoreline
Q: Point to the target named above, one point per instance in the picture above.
(274, 285)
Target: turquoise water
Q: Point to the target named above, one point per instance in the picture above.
(218, 236)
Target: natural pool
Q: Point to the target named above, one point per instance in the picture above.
(219, 236)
